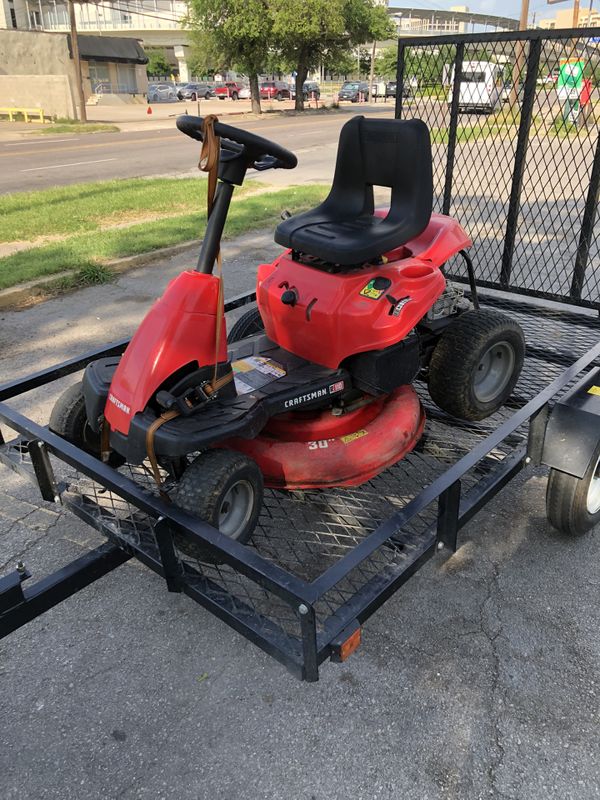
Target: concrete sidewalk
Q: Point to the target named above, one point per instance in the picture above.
(478, 680)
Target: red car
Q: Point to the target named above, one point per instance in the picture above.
(275, 90)
(229, 89)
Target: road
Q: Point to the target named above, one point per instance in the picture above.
(37, 163)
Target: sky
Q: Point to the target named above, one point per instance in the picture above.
(507, 8)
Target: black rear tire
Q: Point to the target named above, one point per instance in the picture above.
(234, 96)
(69, 420)
(476, 364)
(247, 325)
(194, 97)
(225, 489)
(573, 504)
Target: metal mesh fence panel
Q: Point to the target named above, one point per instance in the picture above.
(514, 123)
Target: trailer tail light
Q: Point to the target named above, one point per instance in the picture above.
(346, 643)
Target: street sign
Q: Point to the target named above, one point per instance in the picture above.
(570, 78)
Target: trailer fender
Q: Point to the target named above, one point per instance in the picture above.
(573, 428)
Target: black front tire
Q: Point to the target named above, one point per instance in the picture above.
(476, 364)
(207, 96)
(225, 489)
(194, 97)
(69, 420)
(573, 504)
(247, 325)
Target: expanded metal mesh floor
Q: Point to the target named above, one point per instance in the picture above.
(306, 532)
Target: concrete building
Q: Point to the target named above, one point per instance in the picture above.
(37, 69)
(563, 18)
(156, 23)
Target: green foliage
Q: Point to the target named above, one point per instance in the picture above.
(232, 33)
(386, 63)
(339, 62)
(81, 127)
(157, 63)
(430, 70)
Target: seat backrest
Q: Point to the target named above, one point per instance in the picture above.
(384, 152)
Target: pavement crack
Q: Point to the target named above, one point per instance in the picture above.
(497, 693)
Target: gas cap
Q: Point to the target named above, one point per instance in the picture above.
(289, 297)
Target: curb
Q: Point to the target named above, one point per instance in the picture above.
(31, 293)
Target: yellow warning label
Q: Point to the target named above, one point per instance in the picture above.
(594, 390)
(370, 291)
(352, 437)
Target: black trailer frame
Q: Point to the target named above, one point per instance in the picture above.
(299, 622)
(322, 562)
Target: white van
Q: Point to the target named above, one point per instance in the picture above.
(480, 86)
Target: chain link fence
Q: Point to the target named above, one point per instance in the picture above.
(514, 121)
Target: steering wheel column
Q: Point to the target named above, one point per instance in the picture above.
(240, 151)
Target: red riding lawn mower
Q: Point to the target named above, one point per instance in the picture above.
(314, 387)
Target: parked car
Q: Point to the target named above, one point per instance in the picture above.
(353, 91)
(230, 89)
(161, 93)
(311, 90)
(275, 90)
(196, 91)
(244, 93)
(391, 90)
(480, 86)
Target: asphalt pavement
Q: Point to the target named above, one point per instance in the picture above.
(477, 681)
(38, 162)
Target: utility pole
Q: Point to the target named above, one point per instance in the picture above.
(575, 22)
(372, 72)
(519, 55)
(76, 59)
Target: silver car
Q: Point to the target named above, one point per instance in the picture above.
(161, 93)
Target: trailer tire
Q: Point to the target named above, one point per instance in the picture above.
(476, 364)
(68, 420)
(248, 324)
(225, 489)
(573, 504)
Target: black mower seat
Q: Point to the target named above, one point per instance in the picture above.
(371, 152)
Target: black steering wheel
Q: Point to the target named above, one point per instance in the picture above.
(260, 153)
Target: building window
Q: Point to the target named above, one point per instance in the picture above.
(13, 18)
(35, 20)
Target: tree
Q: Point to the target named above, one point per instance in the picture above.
(236, 32)
(157, 63)
(386, 62)
(308, 32)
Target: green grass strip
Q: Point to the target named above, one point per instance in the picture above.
(82, 128)
(25, 216)
(85, 251)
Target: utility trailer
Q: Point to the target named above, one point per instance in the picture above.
(320, 562)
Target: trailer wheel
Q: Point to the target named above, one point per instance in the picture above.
(573, 504)
(225, 489)
(248, 324)
(476, 364)
(69, 420)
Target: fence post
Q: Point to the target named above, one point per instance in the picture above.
(399, 80)
(587, 227)
(458, 62)
(533, 60)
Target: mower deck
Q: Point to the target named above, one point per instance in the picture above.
(320, 562)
